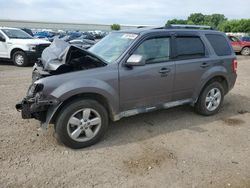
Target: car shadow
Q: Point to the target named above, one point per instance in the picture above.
(10, 63)
(6, 63)
(146, 126)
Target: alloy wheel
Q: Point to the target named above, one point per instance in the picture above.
(213, 99)
(246, 51)
(19, 59)
(84, 125)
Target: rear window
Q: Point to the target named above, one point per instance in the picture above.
(219, 44)
(189, 48)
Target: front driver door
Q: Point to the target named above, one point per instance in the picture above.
(151, 84)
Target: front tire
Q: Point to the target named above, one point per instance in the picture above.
(210, 99)
(81, 123)
(20, 59)
(245, 51)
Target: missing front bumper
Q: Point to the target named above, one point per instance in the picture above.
(24, 108)
(38, 109)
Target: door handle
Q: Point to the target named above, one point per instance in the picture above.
(164, 70)
(205, 65)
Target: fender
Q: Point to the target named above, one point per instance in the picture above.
(75, 87)
(208, 75)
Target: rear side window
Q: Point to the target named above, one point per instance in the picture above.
(219, 44)
(189, 48)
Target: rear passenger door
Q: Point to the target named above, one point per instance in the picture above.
(191, 62)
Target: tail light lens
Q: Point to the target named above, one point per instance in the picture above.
(234, 65)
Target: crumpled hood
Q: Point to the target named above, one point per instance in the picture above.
(60, 53)
(52, 57)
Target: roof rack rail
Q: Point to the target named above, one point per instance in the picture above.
(182, 26)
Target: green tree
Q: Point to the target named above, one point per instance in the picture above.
(115, 27)
(218, 21)
(176, 21)
(214, 20)
(197, 18)
(242, 25)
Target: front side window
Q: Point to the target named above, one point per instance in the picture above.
(155, 50)
(16, 34)
(189, 48)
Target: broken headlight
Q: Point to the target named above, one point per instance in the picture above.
(33, 89)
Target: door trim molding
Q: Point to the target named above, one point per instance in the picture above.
(141, 110)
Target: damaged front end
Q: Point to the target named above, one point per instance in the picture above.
(59, 58)
(37, 106)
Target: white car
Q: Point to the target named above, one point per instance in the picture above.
(19, 46)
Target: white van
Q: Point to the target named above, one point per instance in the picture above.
(19, 46)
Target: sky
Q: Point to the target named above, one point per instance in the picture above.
(131, 12)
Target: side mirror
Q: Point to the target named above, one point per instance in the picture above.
(135, 60)
(2, 39)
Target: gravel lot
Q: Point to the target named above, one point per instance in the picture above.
(169, 148)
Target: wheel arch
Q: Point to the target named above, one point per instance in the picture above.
(219, 78)
(15, 50)
(248, 46)
(92, 96)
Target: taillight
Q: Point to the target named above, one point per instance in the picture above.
(234, 65)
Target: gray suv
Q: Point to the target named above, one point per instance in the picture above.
(127, 73)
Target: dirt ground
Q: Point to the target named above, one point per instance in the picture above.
(173, 148)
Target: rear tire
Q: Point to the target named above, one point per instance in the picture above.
(75, 124)
(20, 59)
(210, 99)
(245, 51)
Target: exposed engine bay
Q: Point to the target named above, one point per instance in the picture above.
(61, 57)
